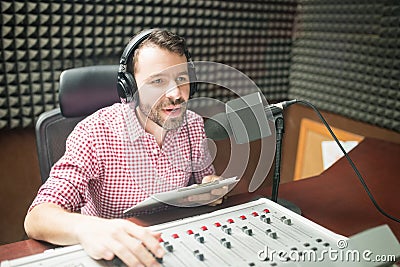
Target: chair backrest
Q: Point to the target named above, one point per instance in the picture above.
(52, 129)
(82, 91)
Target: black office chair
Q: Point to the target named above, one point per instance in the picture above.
(82, 91)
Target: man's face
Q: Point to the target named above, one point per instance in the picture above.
(163, 86)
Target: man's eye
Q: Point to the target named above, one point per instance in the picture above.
(157, 81)
(182, 79)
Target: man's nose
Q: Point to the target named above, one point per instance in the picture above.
(173, 91)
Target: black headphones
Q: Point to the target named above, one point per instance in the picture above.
(126, 84)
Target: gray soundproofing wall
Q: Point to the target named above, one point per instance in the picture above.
(39, 39)
(346, 59)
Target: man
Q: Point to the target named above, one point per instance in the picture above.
(120, 155)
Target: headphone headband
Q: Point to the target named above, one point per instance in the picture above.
(132, 45)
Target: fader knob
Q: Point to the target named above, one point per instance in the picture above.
(247, 230)
(265, 219)
(273, 235)
(198, 255)
(287, 221)
(199, 238)
(168, 246)
(226, 229)
(225, 243)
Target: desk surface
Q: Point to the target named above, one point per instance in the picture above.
(335, 199)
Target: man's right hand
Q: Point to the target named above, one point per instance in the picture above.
(101, 238)
(133, 244)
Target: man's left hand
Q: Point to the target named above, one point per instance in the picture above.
(215, 197)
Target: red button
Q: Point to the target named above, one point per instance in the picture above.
(243, 217)
(217, 224)
(266, 211)
(175, 236)
(254, 213)
(204, 228)
(160, 240)
(230, 221)
(190, 232)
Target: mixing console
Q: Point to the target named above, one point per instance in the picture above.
(257, 233)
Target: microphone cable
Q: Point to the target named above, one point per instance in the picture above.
(371, 197)
(192, 179)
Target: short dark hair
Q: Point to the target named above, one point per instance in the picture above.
(163, 39)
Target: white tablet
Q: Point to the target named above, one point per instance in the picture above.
(177, 196)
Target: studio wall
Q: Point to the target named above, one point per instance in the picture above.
(346, 59)
(40, 39)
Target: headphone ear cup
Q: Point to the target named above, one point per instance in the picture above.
(121, 86)
(132, 87)
(193, 79)
(126, 86)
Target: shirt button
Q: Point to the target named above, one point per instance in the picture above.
(155, 151)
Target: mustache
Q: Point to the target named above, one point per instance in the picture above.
(173, 102)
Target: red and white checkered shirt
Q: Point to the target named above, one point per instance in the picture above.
(111, 163)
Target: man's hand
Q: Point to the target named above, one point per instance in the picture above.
(132, 244)
(101, 238)
(216, 194)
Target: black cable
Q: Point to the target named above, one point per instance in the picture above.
(371, 197)
(192, 180)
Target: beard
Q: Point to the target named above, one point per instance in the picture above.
(154, 113)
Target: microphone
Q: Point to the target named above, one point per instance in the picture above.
(245, 119)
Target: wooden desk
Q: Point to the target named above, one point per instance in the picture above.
(335, 199)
